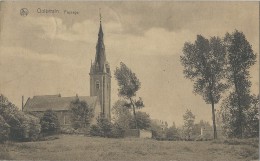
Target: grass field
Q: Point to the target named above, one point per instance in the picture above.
(73, 147)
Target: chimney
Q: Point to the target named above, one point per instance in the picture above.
(22, 102)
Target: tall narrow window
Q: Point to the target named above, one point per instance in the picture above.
(97, 84)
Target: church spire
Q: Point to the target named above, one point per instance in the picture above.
(100, 59)
(100, 33)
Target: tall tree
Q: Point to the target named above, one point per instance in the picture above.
(240, 57)
(128, 84)
(188, 126)
(204, 63)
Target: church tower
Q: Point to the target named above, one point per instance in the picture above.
(100, 76)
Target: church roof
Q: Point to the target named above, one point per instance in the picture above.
(55, 102)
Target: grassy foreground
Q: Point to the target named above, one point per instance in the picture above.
(73, 147)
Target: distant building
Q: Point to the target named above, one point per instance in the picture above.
(100, 90)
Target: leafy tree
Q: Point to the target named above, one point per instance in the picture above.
(122, 116)
(252, 118)
(204, 63)
(128, 84)
(103, 127)
(143, 120)
(4, 130)
(49, 122)
(22, 126)
(240, 57)
(157, 131)
(82, 114)
(172, 133)
(188, 127)
(229, 114)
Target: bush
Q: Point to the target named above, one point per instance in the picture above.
(117, 131)
(105, 128)
(94, 130)
(4, 130)
(22, 126)
(49, 122)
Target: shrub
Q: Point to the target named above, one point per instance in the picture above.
(94, 130)
(4, 130)
(49, 122)
(22, 126)
(82, 114)
(117, 131)
(104, 125)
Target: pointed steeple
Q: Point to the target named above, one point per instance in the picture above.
(100, 59)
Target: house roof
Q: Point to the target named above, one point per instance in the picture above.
(55, 102)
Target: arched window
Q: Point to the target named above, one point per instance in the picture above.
(97, 84)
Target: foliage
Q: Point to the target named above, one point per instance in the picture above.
(95, 130)
(22, 126)
(124, 119)
(105, 128)
(122, 116)
(143, 120)
(81, 114)
(117, 131)
(49, 122)
(128, 84)
(188, 127)
(204, 63)
(230, 121)
(172, 133)
(240, 57)
(4, 130)
(198, 126)
(157, 130)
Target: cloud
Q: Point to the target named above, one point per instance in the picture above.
(22, 53)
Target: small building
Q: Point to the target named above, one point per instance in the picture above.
(60, 105)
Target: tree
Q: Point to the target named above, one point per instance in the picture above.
(204, 63)
(201, 124)
(22, 126)
(143, 120)
(49, 122)
(240, 57)
(122, 116)
(81, 114)
(124, 119)
(188, 126)
(103, 127)
(4, 130)
(172, 133)
(229, 117)
(128, 84)
(252, 118)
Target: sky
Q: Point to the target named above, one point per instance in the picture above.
(50, 53)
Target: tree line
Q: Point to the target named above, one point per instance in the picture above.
(219, 66)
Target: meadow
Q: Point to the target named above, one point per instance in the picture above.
(76, 147)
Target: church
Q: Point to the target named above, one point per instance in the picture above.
(100, 91)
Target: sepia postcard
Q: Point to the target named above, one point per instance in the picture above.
(129, 80)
